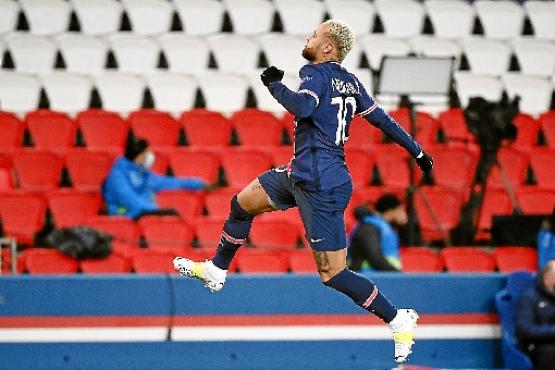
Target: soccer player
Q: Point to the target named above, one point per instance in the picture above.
(317, 180)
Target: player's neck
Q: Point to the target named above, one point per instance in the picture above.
(326, 58)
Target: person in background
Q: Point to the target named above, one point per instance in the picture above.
(130, 187)
(535, 319)
(374, 243)
(546, 241)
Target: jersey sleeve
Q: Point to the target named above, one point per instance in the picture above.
(365, 104)
(312, 82)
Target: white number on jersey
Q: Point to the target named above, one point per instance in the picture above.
(342, 103)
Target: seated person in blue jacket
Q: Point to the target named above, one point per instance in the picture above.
(546, 241)
(374, 243)
(130, 187)
(535, 319)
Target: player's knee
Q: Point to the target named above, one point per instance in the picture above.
(238, 212)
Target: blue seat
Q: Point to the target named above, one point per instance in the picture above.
(506, 302)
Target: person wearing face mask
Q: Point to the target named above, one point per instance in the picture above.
(374, 243)
(130, 187)
(535, 319)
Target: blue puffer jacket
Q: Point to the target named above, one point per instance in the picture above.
(130, 189)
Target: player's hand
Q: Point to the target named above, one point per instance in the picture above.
(425, 162)
(271, 74)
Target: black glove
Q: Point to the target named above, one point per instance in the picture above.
(271, 74)
(426, 162)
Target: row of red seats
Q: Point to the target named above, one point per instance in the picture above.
(41, 170)
(205, 129)
(414, 260)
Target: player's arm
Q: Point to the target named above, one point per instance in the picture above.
(301, 103)
(374, 114)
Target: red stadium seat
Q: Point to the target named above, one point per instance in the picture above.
(288, 122)
(426, 126)
(160, 129)
(161, 162)
(188, 204)
(218, 203)
(274, 234)
(6, 174)
(22, 216)
(257, 128)
(420, 259)
(126, 250)
(50, 262)
(166, 233)
(6, 267)
(543, 161)
(454, 167)
(453, 125)
(281, 155)
(88, 169)
(11, 132)
(510, 259)
(371, 194)
(360, 164)
(260, 262)
(362, 134)
(496, 202)
(152, 262)
(301, 261)
(203, 164)
(436, 204)
(50, 130)
(392, 163)
(103, 130)
(241, 166)
(73, 208)
(121, 228)
(113, 264)
(536, 201)
(515, 165)
(467, 259)
(527, 131)
(208, 232)
(37, 170)
(206, 129)
(547, 123)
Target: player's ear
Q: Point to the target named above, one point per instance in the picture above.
(328, 48)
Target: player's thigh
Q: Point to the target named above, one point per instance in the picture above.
(330, 263)
(254, 199)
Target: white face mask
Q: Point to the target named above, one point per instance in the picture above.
(149, 159)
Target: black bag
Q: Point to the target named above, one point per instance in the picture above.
(81, 242)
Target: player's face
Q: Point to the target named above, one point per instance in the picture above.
(315, 43)
(549, 279)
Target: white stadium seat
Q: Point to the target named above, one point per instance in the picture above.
(364, 75)
(265, 100)
(185, 54)
(452, 19)
(200, 17)
(171, 92)
(234, 53)
(47, 17)
(430, 46)
(376, 47)
(534, 91)
(501, 19)
(250, 17)
(223, 92)
(19, 93)
(67, 92)
(283, 51)
(149, 17)
(401, 18)
(83, 53)
(358, 13)
(487, 56)
(134, 53)
(32, 53)
(9, 11)
(470, 85)
(120, 92)
(300, 17)
(98, 17)
(541, 15)
(535, 57)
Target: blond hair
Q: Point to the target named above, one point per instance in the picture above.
(342, 35)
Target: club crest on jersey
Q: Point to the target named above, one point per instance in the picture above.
(344, 87)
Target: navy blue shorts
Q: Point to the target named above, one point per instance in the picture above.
(322, 211)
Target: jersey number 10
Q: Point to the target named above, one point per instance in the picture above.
(342, 103)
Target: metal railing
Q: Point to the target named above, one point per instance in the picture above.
(11, 242)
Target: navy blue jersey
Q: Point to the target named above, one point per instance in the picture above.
(328, 98)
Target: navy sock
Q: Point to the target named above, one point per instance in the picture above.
(364, 292)
(236, 230)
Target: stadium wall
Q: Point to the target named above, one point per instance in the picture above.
(256, 322)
